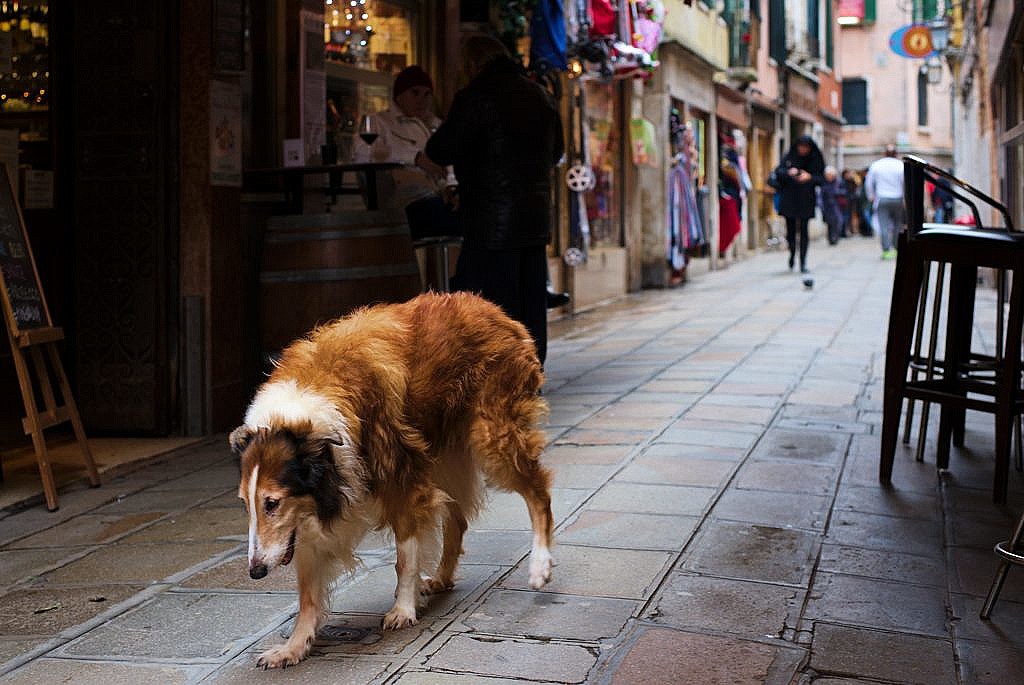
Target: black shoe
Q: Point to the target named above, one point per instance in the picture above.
(791, 263)
(556, 300)
(804, 270)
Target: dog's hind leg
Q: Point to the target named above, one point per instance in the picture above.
(508, 454)
(454, 528)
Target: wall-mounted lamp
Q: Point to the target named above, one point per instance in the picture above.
(939, 29)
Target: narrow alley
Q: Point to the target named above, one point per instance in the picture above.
(719, 520)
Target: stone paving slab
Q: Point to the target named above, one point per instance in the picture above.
(750, 609)
(427, 678)
(986, 664)
(878, 604)
(373, 591)
(752, 552)
(651, 499)
(544, 614)
(659, 656)
(599, 572)
(18, 564)
(195, 524)
(883, 565)
(889, 533)
(782, 509)
(86, 530)
(324, 669)
(893, 657)
(50, 611)
(522, 659)
(676, 471)
(233, 574)
(784, 477)
(182, 626)
(136, 563)
(628, 531)
(49, 671)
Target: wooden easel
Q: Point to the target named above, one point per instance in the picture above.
(31, 333)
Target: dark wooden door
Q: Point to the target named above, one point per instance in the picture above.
(123, 179)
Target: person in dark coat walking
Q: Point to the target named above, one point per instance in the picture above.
(830, 196)
(503, 135)
(802, 169)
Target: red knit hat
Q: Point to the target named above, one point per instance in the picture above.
(410, 77)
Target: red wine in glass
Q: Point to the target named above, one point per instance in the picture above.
(368, 129)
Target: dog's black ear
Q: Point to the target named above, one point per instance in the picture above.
(240, 439)
(312, 472)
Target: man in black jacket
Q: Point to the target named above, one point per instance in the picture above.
(503, 135)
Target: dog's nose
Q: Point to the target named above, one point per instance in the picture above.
(258, 571)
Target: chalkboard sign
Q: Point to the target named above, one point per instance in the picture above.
(23, 302)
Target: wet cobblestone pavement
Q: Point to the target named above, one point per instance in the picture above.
(719, 521)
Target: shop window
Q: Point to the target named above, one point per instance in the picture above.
(604, 117)
(25, 85)
(367, 43)
(855, 101)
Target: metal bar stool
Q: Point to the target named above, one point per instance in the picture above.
(963, 376)
(438, 248)
(1008, 553)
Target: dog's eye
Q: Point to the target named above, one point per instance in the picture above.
(270, 504)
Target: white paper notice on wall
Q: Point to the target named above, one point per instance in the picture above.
(9, 154)
(38, 189)
(292, 154)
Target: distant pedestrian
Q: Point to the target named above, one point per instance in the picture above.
(884, 187)
(942, 200)
(801, 171)
(830, 194)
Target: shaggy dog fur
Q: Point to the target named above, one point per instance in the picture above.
(394, 416)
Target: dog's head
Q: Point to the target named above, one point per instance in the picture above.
(289, 477)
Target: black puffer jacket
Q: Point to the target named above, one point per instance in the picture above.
(503, 135)
(798, 199)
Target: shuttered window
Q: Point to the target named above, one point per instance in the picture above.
(777, 30)
(855, 101)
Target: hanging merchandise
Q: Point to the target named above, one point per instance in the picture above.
(642, 135)
(685, 231)
(579, 178)
(547, 36)
(647, 24)
(603, 14)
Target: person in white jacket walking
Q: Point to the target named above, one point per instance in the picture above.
(884, 188)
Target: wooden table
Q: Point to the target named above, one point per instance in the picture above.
(293, 180)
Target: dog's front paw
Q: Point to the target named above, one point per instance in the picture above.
(540, 569)
(432, 586)
(281, 657)
(399, 617)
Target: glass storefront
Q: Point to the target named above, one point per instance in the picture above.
(367, 42)
(604, 201)
(24, 98)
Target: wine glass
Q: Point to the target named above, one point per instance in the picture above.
(368, 129)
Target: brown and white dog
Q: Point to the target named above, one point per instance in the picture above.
(395, 416)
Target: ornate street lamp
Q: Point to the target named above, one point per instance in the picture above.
(939, 29)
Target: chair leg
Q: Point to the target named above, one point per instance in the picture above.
(946, 419)
(922, 307)
(1018, 461)
(906, 288)
(1004, 568)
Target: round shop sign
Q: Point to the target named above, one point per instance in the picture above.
(913, 41)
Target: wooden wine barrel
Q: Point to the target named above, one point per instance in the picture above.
(317, 267)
